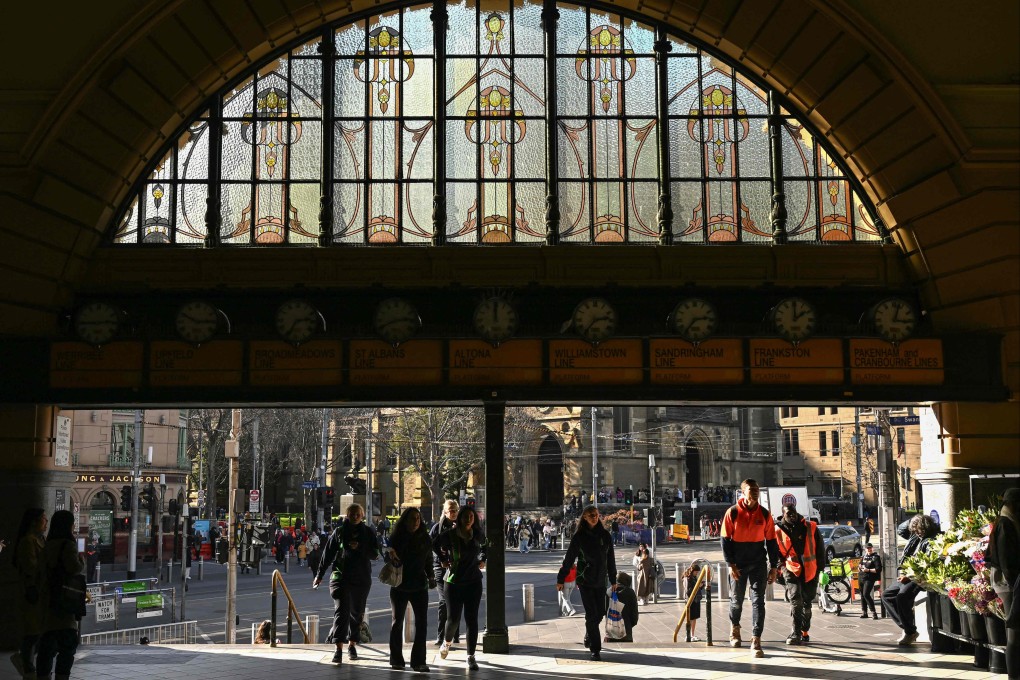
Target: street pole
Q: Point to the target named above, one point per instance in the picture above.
(132, 571)
(857, 452)
(185, 532)
(651, 499)
(255, 462)
(159, 529)
(231, 450)
(594, 461)
(322, 465)
(887, 518)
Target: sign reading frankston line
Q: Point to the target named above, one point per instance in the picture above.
(616, 362)
(278, 363)
(913, 362)
(416, 362)
(515, 362)
(718, 361)
(818, 361)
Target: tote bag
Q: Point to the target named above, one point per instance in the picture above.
(615, 628)
(391, 575)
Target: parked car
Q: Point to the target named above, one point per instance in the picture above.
(841, 540)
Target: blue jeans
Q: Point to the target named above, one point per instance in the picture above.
(755, 575)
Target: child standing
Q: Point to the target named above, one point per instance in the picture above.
(628, 598)
(690, 579)
(566, 606)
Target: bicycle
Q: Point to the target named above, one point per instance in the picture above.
(835, 586)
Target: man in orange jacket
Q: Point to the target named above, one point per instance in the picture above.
(803, 552)
(748, 538)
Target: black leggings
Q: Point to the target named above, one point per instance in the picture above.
(464, 597)
(348, 611)
(868, 595)
(595, 606)
(419, 601)
(61, 644)
(28, 645)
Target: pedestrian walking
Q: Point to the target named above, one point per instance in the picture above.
(524, 539)
(802, 549)
(302, 552)
(899, 597)
(27, 559)
(410, 549)
(750, 549)
(348, 556)
(644, 562)
(569, 583)
(60, 560)
(868, 574)
(462, 550)
(446, 522)
(591, 547)
(694, 610)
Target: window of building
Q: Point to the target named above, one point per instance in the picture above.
(901, 442)
(835, 442)
(821, 410)
(465, 142)
(791, 443)
(122, 444)
(821, 444)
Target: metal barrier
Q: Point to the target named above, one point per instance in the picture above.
(106, 607)
(292, 613)
(181, 632)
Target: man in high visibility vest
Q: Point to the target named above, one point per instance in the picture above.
(803, 553)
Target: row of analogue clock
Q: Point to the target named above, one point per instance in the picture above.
(495, 319)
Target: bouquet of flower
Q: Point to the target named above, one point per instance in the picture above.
(988, 603)
(964, 595)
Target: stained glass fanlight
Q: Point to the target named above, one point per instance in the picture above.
(337, 141)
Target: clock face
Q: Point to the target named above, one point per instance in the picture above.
(495, 320)
(794, 319)
(396, 320)
(594, 320)
(97, 323)
(895, 319)
(297, 321)
(197, 321)
(693, 319)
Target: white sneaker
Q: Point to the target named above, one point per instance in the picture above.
(695, 638)
(444, 651)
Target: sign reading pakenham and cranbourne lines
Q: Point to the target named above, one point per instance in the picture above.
(913, 362)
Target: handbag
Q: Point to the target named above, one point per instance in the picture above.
(615, 627)
(391, 574)
(67, 592)
(364, 633)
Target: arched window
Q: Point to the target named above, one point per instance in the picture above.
(495, 122)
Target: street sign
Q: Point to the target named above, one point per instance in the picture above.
(874, 429)
(694, 504)
(310, 484)
(860, 496)
(253, 507)
(905, 420)
(106, 609)
(149, 605)
(253, 496)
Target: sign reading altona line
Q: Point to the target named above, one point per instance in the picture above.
(617, 362)
(913, 362)
(675, 362)
(515, 362)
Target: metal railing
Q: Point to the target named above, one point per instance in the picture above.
(181, 632)
(292, 613)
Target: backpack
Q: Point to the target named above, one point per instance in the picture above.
(733, 512)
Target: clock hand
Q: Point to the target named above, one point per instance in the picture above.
(595, 321)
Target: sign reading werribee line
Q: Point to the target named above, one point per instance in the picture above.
(75, 364)
(818, 361)
(515, 362)
(913, 362)
(416, 362)
(714, 361)
(617, 362)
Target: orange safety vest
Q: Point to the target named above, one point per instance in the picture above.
(809, 556)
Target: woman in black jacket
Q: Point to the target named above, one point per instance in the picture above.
(462, 553)
(410, 548)
(60, 559)
(592, 547)
(350, 550)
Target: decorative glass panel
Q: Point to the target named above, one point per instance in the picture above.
(266, 138)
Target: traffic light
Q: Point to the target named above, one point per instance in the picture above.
(628, 497)
(327, 495)
(172, 506)
(125, 498)
(470, 502)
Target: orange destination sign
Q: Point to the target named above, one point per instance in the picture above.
(818, 361)
(515, 362)
(178, 364)
(417, 362)
(76, 364)
(575, 362)
(913, 362)
(714, 361)
(279, 363)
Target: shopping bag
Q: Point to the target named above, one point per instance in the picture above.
(391, 575)
(615, 628)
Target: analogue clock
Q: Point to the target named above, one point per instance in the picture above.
(97, 323)
(495, 320)
(794, 318)
(197, 321)
(298, 320)
(594, 319)
(396, 320)
(693, 319)
(895, 319)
